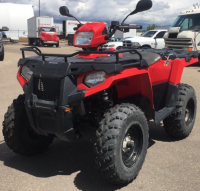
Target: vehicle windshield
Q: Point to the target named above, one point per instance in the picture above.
(149, 33)
(187, 22)
(48, 29)
(114, 40)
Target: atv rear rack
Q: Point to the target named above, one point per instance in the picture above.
(65, 56)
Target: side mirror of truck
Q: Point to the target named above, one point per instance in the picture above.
(142, 5)
(64, 11)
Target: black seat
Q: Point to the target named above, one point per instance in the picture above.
(150, 57)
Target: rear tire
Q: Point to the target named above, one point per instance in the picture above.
(18, 134)
(30, 41)
(122, 142)
(2, 54)
(180, 123)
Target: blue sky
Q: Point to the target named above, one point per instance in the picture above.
(162, 12)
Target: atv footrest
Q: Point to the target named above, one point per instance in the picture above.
(162, 114)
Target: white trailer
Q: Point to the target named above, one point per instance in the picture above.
(35, 23)
(59, 28)
(131, 33)
(15, 16)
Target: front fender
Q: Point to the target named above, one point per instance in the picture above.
(131, 81)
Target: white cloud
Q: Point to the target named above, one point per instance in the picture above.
(162, 12)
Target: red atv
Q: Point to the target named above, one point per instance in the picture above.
(107, 97)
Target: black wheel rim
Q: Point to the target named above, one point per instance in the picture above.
(132, 145)
(189, 112)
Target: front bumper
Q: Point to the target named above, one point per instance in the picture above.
(50, 116)
(50, 42)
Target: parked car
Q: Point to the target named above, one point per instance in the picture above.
(114, 44)
(150, 39)
(1, 48)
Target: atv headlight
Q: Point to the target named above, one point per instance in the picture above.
(94, 79)
(26, 73)
(135, 44)
(84, 38)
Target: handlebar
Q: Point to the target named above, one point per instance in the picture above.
(130, 27)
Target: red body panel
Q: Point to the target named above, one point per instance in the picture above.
(98, 38)
(126, 83)
(134, 81)
(91, 55)
(97, 55)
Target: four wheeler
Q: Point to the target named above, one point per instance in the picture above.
(107, 97)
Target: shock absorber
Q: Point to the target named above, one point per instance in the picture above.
(107, 102)
(105, 95)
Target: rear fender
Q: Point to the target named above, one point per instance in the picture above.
(177, 69)
(129, 82)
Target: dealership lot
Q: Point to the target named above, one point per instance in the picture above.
(169, 165)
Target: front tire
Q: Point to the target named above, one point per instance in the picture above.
(180, 123)
(122, 142)
(18, 134)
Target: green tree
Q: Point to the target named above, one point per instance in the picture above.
(151, 27)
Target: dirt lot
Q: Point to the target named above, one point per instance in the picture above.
(170, 165)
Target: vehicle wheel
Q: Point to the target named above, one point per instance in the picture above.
(57, 45)
(145, 47)
(199, 60)
(122, 142)
(40, 43)
(18, 134)
(180, 123)
(30, 41)
(2, 54)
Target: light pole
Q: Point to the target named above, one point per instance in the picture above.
(39, 8)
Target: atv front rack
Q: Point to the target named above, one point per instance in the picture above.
(65, 56)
